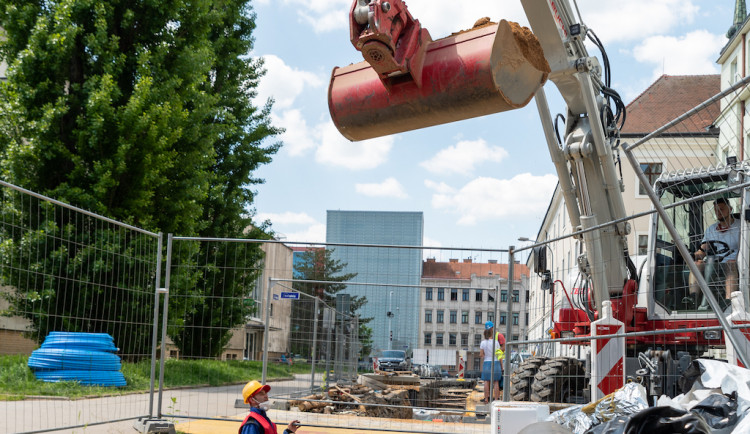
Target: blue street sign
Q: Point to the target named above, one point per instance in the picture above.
(276, 296)
(290, 295)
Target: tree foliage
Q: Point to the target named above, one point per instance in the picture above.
(141, 111)
(318, 265)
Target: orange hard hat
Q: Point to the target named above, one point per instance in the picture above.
(253, 387)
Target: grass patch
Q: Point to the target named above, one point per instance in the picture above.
(17, 381)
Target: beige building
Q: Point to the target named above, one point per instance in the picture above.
(692, 143)
(457, 298)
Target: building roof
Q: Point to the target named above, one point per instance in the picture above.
(463, 270)
(669, 97)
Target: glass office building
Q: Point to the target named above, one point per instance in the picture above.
(377, 265)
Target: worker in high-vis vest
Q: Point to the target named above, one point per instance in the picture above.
(499, 344)
(257, 422)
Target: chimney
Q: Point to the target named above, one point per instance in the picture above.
(492, 261)
(453, 260)
(467, 261)
(430, 259)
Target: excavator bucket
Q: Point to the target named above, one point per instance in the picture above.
(478, 72)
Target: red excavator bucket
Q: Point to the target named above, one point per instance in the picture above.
(474, 73)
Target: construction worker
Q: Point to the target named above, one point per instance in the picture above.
(257, 422)
(500, 346)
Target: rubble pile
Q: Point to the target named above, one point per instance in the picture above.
(387, 396)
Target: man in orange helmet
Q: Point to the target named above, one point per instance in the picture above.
(257, 422)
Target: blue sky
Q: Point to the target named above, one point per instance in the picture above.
(480, 183)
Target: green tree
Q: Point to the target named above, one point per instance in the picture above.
(317, 264)
(143, 112)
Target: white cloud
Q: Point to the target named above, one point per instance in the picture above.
(635, 19)
(431, 253)
(693, 53)
(295, 226)
(283, 83)
(463, 157)
(439, 187)
(388, 188)
(489, 198)
(286, 218)
(312, 234)
(335, 150)
(297, 137)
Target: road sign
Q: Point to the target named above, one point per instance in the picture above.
(276, 296)
(290, 295)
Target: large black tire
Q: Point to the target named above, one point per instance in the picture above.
(522, 378)
(558, 380)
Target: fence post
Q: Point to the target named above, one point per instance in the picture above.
(155, 339)
(164, 323)
(266, 328)
(508, 324)
(314, 345)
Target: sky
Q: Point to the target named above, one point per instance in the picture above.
(481, 183)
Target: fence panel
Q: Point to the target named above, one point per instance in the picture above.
(691, 167)
(63, 269)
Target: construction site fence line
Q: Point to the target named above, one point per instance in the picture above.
(628, 218)
(625, 335)
(308, 243)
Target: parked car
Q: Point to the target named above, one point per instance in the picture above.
(394, 360)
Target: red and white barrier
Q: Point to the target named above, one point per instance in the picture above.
(375, 364)
(738, 316)
(461, 368)
(608, 355)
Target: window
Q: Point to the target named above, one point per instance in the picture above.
(652, 172)
(439, 339)
(515, 296)
(515, 318)
(428, 316)
(527, 319)
(454, 294)
(490, 297)
(454, 316)
(465, 317)
(477, 339)
(476, 363)
(428, 294)
(441, 294)
(642, 244)
(514, 338)
(502, 318)
(527, 294)
(465, 295)
(451, 339)
(440, 317)
(491, 316)
(464, 339)
(428, 338)
(271, 313)
(503, 296)
(478, 296)
(477, 317)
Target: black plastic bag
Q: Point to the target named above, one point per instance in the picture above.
(719, 411)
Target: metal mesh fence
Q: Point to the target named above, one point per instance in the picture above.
(694, 168)
(63, 269)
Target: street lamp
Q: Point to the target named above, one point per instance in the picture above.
(390, 317)
(547, 278)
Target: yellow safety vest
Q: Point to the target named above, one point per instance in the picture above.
(499, 353)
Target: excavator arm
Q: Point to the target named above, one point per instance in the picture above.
(410, 81)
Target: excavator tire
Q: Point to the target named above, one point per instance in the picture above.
(558, 380)
(522, 378)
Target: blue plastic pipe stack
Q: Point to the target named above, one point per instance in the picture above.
(88, 358)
